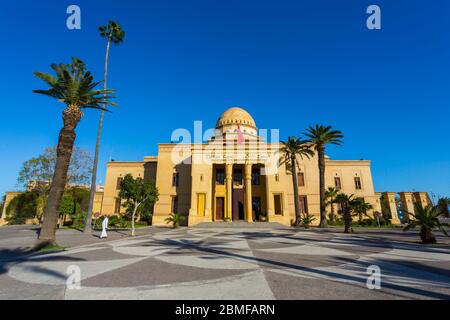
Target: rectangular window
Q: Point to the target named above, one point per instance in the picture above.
(256, 177)
(301, 179)
(277, 200)
(118, 205)
(220, 177)
(303, 204)
(175, 205)
(201, 197)
(119, 183)
(337, 183)
(358, 185)
(277, 178)
(237, 177)
(175, 179)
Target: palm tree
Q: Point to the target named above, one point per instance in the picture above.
(321, 136)
(330, 196)
(360, 207)
(114, 34)
(346, 202)
(444, 204)
(427, 218)
(291, 150)
(74, 86)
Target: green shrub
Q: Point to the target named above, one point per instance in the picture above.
(22, 208)
(307, 220)
(175, 219)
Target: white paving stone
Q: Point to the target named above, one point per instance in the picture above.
(249, 286)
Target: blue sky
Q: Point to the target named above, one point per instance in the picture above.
(289, 63)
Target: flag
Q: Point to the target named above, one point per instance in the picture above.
(240, 136)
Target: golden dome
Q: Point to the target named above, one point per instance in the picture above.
(236, 116)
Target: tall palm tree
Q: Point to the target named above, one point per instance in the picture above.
(114, 34)
(346, 202)
(330, 196)
(74, 86)
(427, 218)
(291, 150)
(321, 136)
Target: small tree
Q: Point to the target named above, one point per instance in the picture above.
(346, 204)
(443, 204)
(427, 218)
(66, 207)
(360, 208)
(137, 193)
(330, 196)
(175, 219)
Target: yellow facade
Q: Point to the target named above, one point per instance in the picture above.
(235, 177)
(223, 178)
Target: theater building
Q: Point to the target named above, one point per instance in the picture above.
(234, 177)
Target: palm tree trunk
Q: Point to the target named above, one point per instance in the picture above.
(296, 196)
(71, 116)
(332, 210)
(427, 236)
(88, 224)
(323, 209)
(347, 219)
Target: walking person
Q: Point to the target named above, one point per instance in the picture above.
(104, 227)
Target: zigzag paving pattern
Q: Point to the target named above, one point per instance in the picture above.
(227, 263)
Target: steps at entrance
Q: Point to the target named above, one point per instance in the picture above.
(241, 224)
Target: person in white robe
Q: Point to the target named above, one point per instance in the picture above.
(104, 227)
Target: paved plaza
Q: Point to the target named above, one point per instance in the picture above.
(226, 263)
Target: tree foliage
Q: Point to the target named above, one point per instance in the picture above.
(23, 207)
(42, 168)
(427, 218)
(138, 195)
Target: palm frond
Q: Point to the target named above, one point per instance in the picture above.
(74, 85)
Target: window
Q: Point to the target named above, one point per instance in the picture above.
(256, 177)
(175, 179)
(220, 177)
(278, 204)
(118, 205)
(337, 183)
(301, 179)
(303, 204)
(119, 183)
(175, 204)
(358, 185)
(277, 178)
(237, 176)
(201, 204)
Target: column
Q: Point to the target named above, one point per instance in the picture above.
(269, 199)
(407, 204)
(229, 205)
(422, 198)
(248, 192)
(389, 200)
